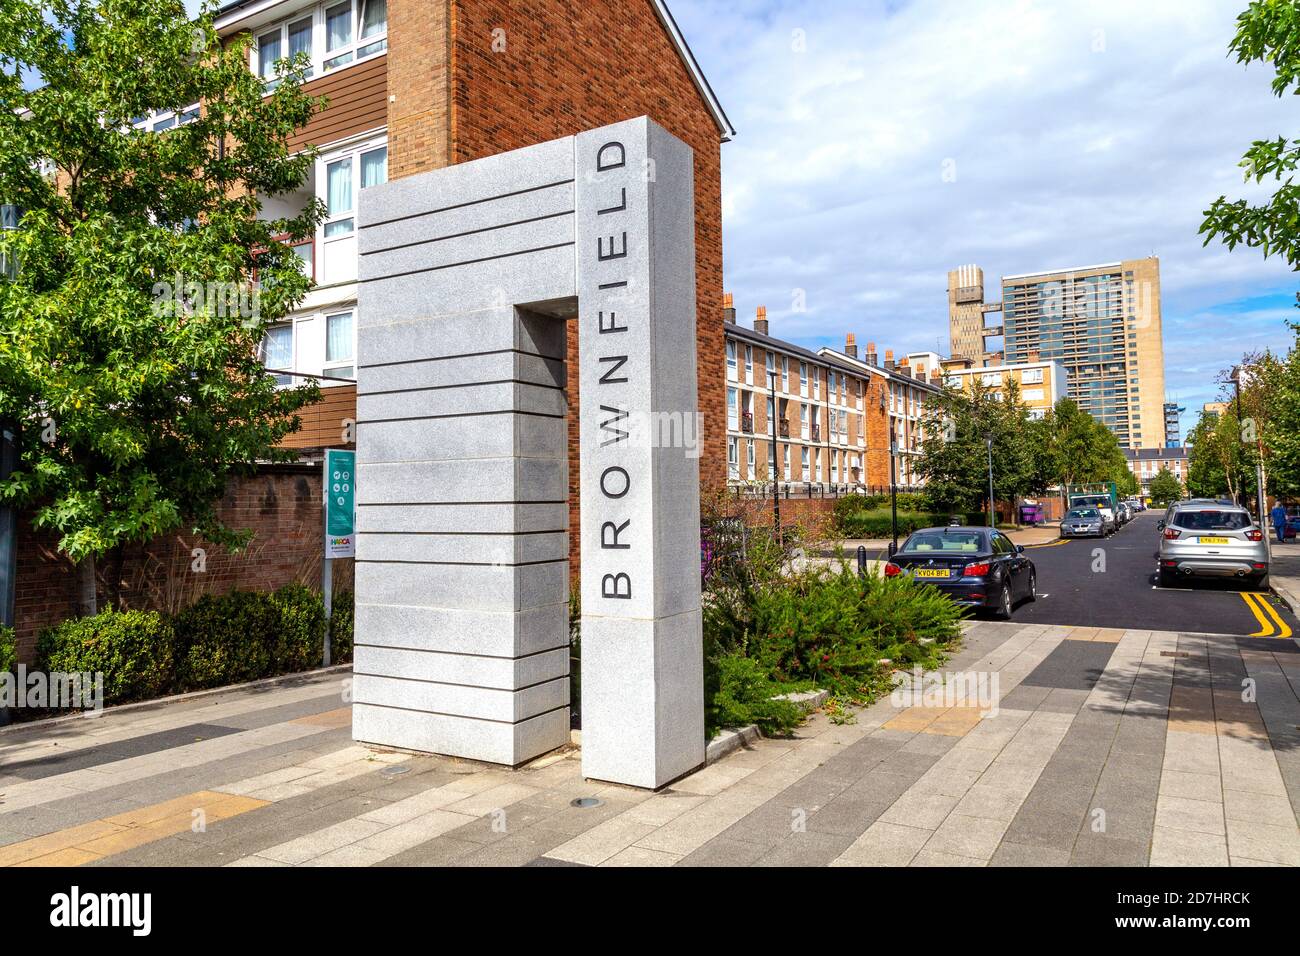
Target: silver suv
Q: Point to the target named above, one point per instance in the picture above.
(1212, 540)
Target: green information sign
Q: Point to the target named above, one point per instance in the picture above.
(340, 503)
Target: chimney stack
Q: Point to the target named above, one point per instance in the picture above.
(871, 353)
(728, 309)
(851, 345)
(760, 320)
(889, 359)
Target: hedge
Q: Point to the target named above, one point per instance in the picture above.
(341, 626)
(221, 639)
(8, 649)
(878, 524)
(246, 635)
(134, 650)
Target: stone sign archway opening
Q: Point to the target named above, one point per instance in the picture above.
(469, 279)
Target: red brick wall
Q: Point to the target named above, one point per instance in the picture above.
(876, 456)
(418, 78)
(574, 65)
(282, 506)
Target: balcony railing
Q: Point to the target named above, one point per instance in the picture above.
(816, 433)
(783, 428)
(747, 422)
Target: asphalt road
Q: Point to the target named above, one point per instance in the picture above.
(1111, 582)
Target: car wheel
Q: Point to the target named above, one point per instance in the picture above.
(1167, 578)
(1003, 611)
(1262, 582)
(1033, 586)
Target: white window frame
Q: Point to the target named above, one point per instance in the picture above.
(156, 118)
(282, 28)
(731, 360)
(319, 37)
(733, 408)
(749, 364)
(282, 381)
(350, 363)
(9, 222)
(354, 151)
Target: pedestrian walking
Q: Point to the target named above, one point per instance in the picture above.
(1278, 515)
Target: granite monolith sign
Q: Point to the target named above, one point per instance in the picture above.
(472, 277)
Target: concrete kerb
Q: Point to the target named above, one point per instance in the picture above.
(730, 739)
(1288, 589)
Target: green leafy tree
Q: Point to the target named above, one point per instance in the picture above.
(954, 455)
(1165, 487)
(129, 331)
(1072, 447)
(1219, 461)
(1268, 31)
(1281, 430)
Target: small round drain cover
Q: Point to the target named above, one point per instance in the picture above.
(396, 771)
(586, 803)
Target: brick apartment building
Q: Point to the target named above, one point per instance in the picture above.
(1146, 463)
(416, 85)
(1041, 384)
(833, 412)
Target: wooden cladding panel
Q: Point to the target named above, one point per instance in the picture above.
(323, 423)
(358, 101)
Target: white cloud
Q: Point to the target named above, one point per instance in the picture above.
(911, 138)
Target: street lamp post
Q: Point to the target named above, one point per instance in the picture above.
(988, 441)
(1259, 452)
(893, 488)
(776, 490)
(893, 480)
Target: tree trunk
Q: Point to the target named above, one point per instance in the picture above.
(115, 562)
(87, 601)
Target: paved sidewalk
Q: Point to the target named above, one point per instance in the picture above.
(1107, 747)
(1284, 572)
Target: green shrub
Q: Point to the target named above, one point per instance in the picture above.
(738, 692)
(911, 501)
(8, 649)
(246, 635)
(132, 649)
(300, 630)
(879, 524)
(342, 618)
(850, 505)
(832, 629)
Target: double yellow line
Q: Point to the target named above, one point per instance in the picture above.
(1266, 614)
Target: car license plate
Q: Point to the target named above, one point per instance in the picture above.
(1204, 540)
(931, 573)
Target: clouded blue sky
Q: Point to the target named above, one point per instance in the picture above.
(1073, 132)
(1078, 133)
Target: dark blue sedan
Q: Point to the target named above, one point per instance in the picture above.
(976, 567)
